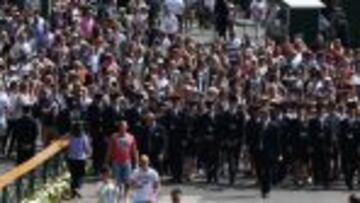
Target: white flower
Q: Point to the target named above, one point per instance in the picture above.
(51, 192)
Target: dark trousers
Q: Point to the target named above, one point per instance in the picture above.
(211, 162)
(24, 154)
(77, 173)
(221, 27)
(349, 165)
(156, 163)
(264, 169)
(321, 168)
(176, 162)
(3, 140)
(204, 16)
(233, 162)
(180, 20)
(99, 147)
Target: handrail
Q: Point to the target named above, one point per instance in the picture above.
(33, 163)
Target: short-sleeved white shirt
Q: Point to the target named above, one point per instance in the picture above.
(108, 192)
(144, 182)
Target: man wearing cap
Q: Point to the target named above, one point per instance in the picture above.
(347, 129)
(269, 151)
(318, 148)
(331, 130)
(304, 150)
(291, 136)
(188, 141)
(152, 141)
(233, 128)
(47, 110)
(98, 141)
(110, 115)
(211, 136)
(25, 135)
(134, 114)
(221, 13)
(356, 133)
(175, 128)
(253, 128)
(154, 11)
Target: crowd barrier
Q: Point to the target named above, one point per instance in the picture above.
(23, 180)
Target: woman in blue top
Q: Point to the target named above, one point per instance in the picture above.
(78, 152)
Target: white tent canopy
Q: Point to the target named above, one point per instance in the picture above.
(304, 4)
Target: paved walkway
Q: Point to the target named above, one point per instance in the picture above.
(242, 27)
(215, 194)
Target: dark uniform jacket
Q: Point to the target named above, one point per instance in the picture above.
(152, 141)
(134, 117)
(331, 127)
(316, 135)
(110, 119)
(356, 134)
(26, 132)
(191, 136)
(94, 119)
(269, 143)
(176, 130)
(232, 128)
(253, 131)
(210, 127)
(347, 137)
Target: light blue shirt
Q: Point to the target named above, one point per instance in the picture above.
(79, 148)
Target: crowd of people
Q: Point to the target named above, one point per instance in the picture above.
(135, 83)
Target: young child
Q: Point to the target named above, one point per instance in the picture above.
(146, 182)
(176, 196)
(108, 192)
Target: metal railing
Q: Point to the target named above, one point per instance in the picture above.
(22, 181)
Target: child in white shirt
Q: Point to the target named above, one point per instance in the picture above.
(108, 191)
(146, 183)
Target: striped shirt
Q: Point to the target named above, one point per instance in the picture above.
(232, 48)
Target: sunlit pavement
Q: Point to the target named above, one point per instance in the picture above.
(218, 194)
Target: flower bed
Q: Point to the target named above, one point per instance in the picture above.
(51, 192)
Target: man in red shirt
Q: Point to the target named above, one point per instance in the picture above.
(122, 152)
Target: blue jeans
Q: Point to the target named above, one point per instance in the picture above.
(121, 173)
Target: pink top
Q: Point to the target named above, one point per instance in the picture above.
(121, 148)
(86, 26)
